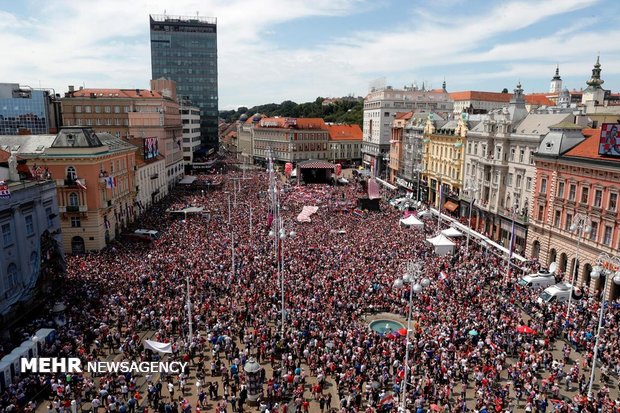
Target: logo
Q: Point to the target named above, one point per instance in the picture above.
(74, 365)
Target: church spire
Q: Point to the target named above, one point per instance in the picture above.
(557, 73)
(596, 81)
(443, 85)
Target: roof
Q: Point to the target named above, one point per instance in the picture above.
(344, 132)
(531, 99)
(26, 144)
(540, 123)
(561, 138)
(5, 155)
(588, 149)
(115, 144)
(117, 93)
(403, 115)
(76, 138)
(292, 123)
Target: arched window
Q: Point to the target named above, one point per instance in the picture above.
(71, 173)
(73, 199)
(11, 276)
(536, 250)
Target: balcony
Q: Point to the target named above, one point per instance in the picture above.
(73, 208)
(77, 183)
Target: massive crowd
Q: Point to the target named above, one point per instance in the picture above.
(338, 270)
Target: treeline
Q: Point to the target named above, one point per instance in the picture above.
(342, 111)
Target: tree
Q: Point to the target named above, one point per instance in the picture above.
(504, 90)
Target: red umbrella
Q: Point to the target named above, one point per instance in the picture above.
(402, 331)
(525, 330)
(390, 336)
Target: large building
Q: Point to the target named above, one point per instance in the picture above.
(345, 144)
(380, 107)
(190, 117)
(184, 49)
(30, 247)
(476, 102)
(24, 110)
(95, 182)
(499, 162)
(572, 177)
(152, 116)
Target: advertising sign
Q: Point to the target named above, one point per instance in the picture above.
(609, 143)
(150, 148)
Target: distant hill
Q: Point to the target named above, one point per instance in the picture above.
(340, 111)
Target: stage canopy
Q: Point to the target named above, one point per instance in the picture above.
(412, 221)
(452, 232)
(316, 171)
(442, 244)
(314, 164)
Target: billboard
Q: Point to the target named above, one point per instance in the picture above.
(609, 143)
(150, 148)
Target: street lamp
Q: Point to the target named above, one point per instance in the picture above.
(414, 271)
(608, 265)
(282, 235)
(582, 225)
(472, 189)
(513, 214)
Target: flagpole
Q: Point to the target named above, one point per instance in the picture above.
(189, 311)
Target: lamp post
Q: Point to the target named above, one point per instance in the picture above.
(414, 271)
(189, 310)
(280, 234)
(472, 189)
(608, 265)
(513, 214)
(582, 225)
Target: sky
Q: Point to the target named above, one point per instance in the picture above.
(276, 50)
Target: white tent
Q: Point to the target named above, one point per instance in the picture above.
(412, 221)
(425, 213)
(452, 232)
(442, 244)
(157, 346)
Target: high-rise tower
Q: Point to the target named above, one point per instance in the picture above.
(184, 49)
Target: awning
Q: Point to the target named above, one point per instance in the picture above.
(451, 206)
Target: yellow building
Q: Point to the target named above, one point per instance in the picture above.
(443, 160)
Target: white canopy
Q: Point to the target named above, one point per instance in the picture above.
(188, 180)
(452, 232)
(442, 244)
(425, 213)
(412, 221)
(157, 346)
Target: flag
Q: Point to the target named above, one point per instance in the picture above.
(5, 193)
(106, 223)
(81, 185)
(109, 183)
(157, 346)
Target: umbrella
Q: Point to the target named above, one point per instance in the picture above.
(473, 333)
(390, 336)
(402, 331)
(435, 408)
(525, 330)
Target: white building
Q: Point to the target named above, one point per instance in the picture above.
(151, 181)
(556, 82)
(380, 107)
(499, 161)
(190, 117)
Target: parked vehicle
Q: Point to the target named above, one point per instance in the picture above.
(147, 233)
(543, 278)
(557, 293)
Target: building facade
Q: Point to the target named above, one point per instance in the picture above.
(184, 49)
(345, 144)
(572, 178)
(190, 118)
(24, 110)
(380, 107)
(397, 145)
(290, 139)
(150, 115)
(30, 247)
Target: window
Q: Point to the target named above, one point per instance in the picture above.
(7, 237)
(543, 186)
(561, 190)
(571, 192)
(126, 109)
(613, 201)
(107, 109)
(386, 114)
(509, 180)
(78, 109)
(541, 211)
(117, 109)
(518, 181)
(73, 199)
(75, 222)
(594, 231)
(584, 195)
(97, 109)
(29, 225)
(87, 109)
(11, 276)
(569, 221)
(598, 197)
(71, 173)
(48, 214)
(528, 184)
(512, 154)
(556, 219)
(521, 155)
(34, 265)
(607, 235)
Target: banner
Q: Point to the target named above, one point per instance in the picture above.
(157, 346)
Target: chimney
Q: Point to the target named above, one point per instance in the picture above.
(71, 88)
(81, 87)
(138, 92)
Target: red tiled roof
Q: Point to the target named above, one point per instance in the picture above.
(118, 93)
(532, 98)
(300, 123)
(4, 156)
(344, 132)
(403, 115)
(589, 147)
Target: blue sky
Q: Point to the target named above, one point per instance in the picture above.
(273, 50)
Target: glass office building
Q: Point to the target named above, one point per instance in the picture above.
(23, 108)
(184, 49)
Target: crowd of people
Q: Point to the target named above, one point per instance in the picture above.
(465, 352)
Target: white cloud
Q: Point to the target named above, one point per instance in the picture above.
(106, 44)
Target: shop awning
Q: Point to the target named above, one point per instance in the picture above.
(451, 206)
